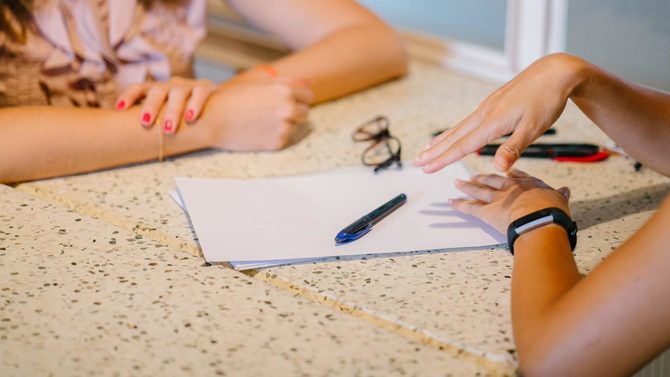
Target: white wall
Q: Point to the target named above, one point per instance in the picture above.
(480, 22)
(628, 37)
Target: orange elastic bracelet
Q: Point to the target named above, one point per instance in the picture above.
(267, 68)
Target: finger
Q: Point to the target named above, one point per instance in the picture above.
(174, 109)
(447, 139)
(565, 191)
(467, 206)
(460, 148)
(152, 103)
(437, 139)
(433, 142)
(492, 180)
(196, 102)
(299, 90)
(303, 94)
(476, 191)
(293, 81)
(283, 135)
(130, 96)
(450, 132)
(511, 150)
(298, 81)
(516, 173)
(300, 113)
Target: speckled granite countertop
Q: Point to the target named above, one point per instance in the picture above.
(138, 301)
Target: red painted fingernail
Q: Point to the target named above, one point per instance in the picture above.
(189, 115)
(121, 104)
(167, 126)
(146, 118)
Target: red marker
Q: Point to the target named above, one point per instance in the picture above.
(567, 152)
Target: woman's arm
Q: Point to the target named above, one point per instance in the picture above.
(340, 46)
(41, 142)
(609, 323)
(636, 118)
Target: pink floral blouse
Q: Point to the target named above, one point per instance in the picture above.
(83, 52)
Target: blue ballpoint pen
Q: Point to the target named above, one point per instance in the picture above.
(362, 226)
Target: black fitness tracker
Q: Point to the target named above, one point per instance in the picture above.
(538, 219)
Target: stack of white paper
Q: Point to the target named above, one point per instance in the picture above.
(266, 222)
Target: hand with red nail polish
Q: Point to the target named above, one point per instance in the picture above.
(176, 98)
(146, 119)
(189, 116)
(168, 127)
(340, 45)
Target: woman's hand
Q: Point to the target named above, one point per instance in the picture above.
(526, 106)
(499, 200)
(181, 98)
(257, 112)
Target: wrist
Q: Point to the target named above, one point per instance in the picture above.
(202, 132)
(534, 205)
(551, 234)
(259, 72)
(539, 219)
(576, 73)
(209, 125)
(567, 72)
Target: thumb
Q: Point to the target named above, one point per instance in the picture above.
(511, 150)
(565, 191)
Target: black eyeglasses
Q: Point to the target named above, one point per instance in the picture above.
(385, 150)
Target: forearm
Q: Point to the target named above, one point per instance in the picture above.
(349, 60)
(635, 117)
(564, 325)
(340, 47)
(544, 270)
(41, 142)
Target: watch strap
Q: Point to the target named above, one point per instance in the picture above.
(538, 219)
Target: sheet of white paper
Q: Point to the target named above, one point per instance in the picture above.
(248, 265)
(177, 198)
(265, 220)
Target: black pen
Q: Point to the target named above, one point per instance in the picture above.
(573, 152)
(362, 226)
